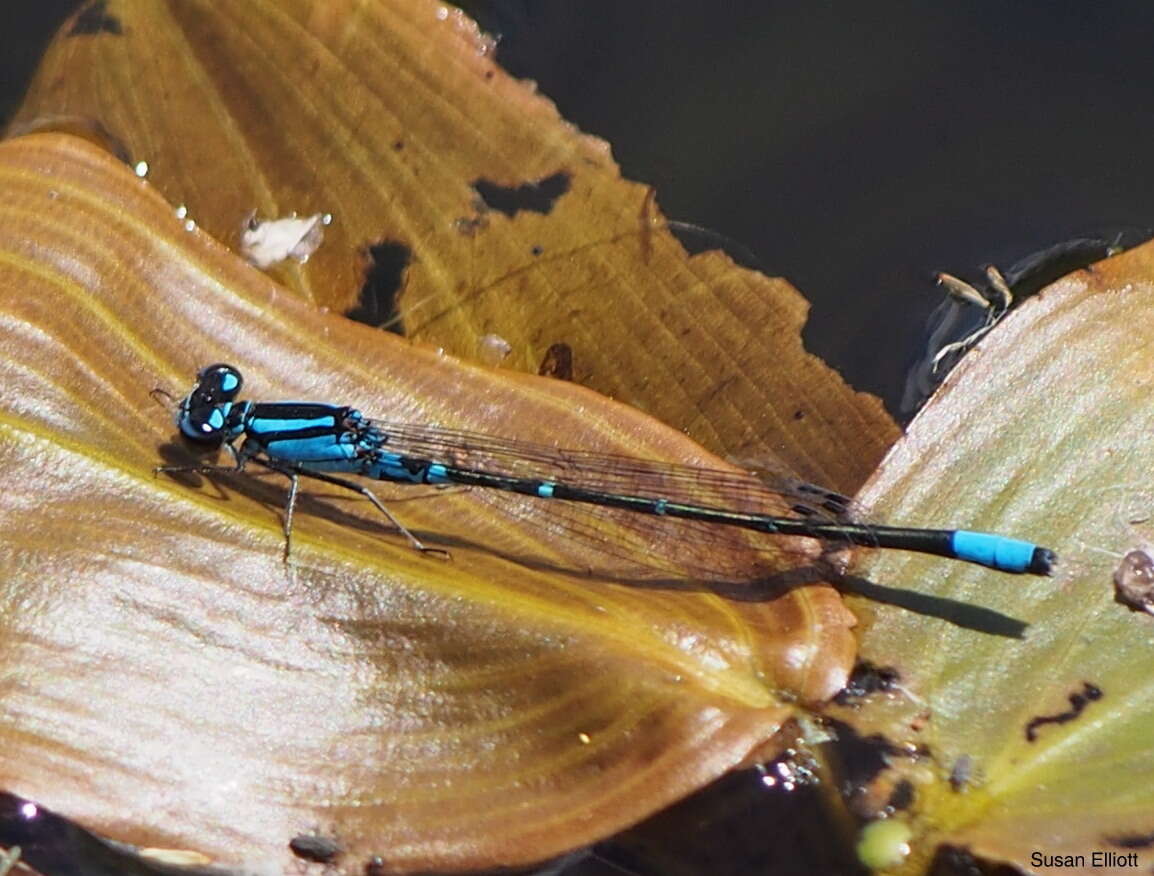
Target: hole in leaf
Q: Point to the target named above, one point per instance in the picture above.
(535, 197)
(94, 19)
(384, 279)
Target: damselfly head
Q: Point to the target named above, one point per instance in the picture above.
(203, 415)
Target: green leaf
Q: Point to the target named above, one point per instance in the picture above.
(1047, 427)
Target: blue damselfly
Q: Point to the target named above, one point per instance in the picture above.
(320, 440)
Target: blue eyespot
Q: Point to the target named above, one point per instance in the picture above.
(203, 415)
(218, 383)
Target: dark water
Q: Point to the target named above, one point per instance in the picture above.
(859, 147)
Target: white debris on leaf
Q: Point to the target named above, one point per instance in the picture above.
(264, 242)
(494, 349)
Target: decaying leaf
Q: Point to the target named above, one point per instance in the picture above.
(394, 117)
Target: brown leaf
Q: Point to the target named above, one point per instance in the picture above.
(393, 117)
(169, 682)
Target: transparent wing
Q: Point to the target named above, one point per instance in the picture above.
(614, 542)
(763, 492)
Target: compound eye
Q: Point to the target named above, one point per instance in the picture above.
(201, 423)
(218, 383)
(203, 414)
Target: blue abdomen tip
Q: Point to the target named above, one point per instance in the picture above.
(1004, 554)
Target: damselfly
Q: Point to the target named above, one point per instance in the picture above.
(319, 440)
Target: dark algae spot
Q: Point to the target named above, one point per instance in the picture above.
(902, 797)
(535, 197)
(558, 362)
(1132, 840)
(311, 847)
(955, 861)
(863, 758)
(867, 679)
(1078, 702)
(94, 19)
(384, 278)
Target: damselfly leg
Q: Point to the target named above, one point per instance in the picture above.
(294, 475)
